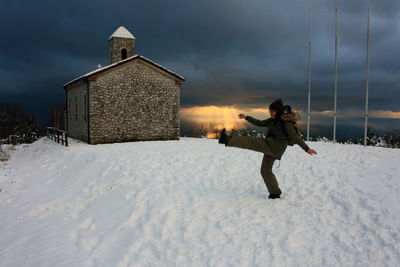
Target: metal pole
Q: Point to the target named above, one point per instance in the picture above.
(335, 101)
(309, 80)
(366, 94)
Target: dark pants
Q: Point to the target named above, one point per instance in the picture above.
(258, 144)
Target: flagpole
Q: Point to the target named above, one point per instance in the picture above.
(366, 93)
(336, 74)
(309, 80)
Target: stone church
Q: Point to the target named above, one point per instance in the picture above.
(131, 99)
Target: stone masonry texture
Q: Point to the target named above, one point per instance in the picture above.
(133, 102)
(115, 45)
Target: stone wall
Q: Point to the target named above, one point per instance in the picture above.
(77, 111)
(132, 102)
(115, 45)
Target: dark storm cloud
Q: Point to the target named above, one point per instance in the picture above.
(231, 52)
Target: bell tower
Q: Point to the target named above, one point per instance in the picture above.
(121, 45)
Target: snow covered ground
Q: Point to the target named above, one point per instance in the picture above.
(196, 203)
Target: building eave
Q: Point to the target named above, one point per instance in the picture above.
(121, 62)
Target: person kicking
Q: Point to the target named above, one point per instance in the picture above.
(281, 132)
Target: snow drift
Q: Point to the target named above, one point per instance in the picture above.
(196, 203)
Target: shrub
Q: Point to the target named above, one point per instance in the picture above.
(4, 155)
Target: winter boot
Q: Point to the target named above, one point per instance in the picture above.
(273, 196)
(224, 138)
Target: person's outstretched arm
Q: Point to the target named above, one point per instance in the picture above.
(263, 123)
(297, 139)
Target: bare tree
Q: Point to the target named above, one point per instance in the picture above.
(201, 131)
(56, 117)
(214, 130)
(15, 122)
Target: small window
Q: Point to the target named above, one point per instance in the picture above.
(85, 107)
(76, 108)
(123, 53)
(69, 109)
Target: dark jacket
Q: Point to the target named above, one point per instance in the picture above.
(278, 132)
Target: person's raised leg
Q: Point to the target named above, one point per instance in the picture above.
(249, 142)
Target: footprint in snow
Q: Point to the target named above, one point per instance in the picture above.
(88, 225)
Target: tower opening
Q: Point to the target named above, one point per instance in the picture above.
(121, 45)
(123, 54)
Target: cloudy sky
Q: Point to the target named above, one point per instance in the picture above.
(236, 55)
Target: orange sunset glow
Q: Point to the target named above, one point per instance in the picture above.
(215, 118)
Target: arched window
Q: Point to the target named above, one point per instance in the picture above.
(123, 53)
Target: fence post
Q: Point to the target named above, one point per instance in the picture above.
(57, 135)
